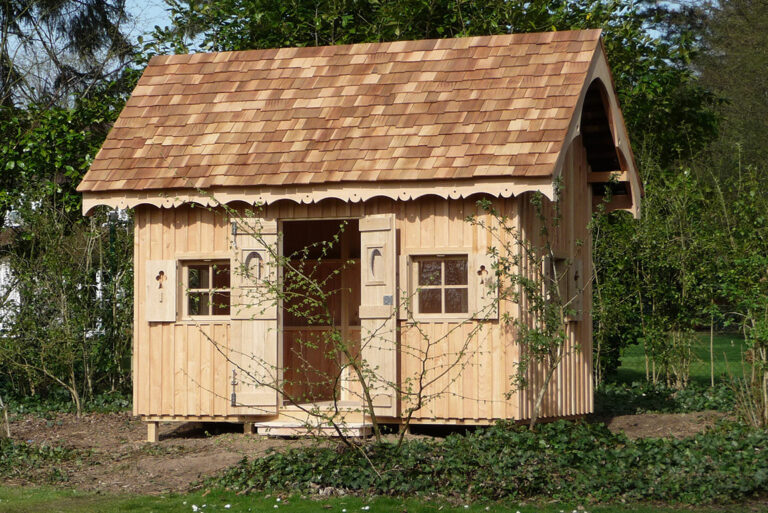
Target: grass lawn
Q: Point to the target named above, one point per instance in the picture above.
(727, 348)
(49, 500)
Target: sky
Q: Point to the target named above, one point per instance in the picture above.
(147, 14)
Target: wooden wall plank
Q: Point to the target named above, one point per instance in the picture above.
(166, 370)
(428, 224)
(455, 343)
(206, 230)
(141, 330)
(206, 371)
(155, 349)
(220, 232)
(165, 330)
(410, 226)
(220, 369)
(137, 311)
(193, 369)
(179, 371)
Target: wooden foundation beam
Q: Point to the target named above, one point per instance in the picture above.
(247, 428)
(153, 432)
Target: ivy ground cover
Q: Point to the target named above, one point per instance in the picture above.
(562, 461)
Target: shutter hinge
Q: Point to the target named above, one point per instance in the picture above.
(233, 397)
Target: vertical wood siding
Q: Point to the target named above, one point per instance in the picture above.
(466, 365)
(178, 370)
(571, 390)
(181, 369)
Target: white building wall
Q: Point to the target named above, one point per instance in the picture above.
(8, 296)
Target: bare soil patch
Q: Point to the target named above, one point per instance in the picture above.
(662, 425)
(117, 459)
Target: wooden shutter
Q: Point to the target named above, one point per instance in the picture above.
(378, 302)
(161, 283)
(254, 328)
(570, 282)
(483, 287)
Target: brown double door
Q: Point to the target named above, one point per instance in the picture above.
(321, 325)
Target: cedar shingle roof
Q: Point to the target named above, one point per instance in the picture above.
(492, 106)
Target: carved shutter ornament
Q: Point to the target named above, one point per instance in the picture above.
(484, 287)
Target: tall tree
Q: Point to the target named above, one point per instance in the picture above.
(734, 64)
(70, 325)
(64, 77)
(53, 48)
(664, 106)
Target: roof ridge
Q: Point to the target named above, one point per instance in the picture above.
(373, 47)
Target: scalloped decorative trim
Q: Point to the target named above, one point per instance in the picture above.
(314, 194)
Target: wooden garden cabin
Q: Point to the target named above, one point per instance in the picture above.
(399, 140)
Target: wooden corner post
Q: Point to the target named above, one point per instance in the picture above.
(153, 432)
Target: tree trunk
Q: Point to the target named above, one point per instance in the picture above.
(540, 394)
(4, 408)
(712, 350)
(75, 395)
(763, 353)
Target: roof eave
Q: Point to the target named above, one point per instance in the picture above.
(307, 194)
(600, 70)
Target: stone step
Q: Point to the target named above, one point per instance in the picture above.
(295, 429)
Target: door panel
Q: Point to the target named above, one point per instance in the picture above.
(253, 351)
(378, 302)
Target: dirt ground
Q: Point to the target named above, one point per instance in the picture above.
(661, 425)
(116, 457)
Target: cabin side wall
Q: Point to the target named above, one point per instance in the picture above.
(465, 364)
(571, 391)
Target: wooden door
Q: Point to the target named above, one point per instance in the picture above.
(254, 330)
(311, 363)
(378, 337)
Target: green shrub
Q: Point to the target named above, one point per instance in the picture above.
(60, 402)
(643, 397)
(563, 461)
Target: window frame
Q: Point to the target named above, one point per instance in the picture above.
(184, 267)
(414, 288)
(569, 272)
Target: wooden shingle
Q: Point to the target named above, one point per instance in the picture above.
(489, 106)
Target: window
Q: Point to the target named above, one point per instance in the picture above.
(566, 275)
(207, 288)
(441, 284)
